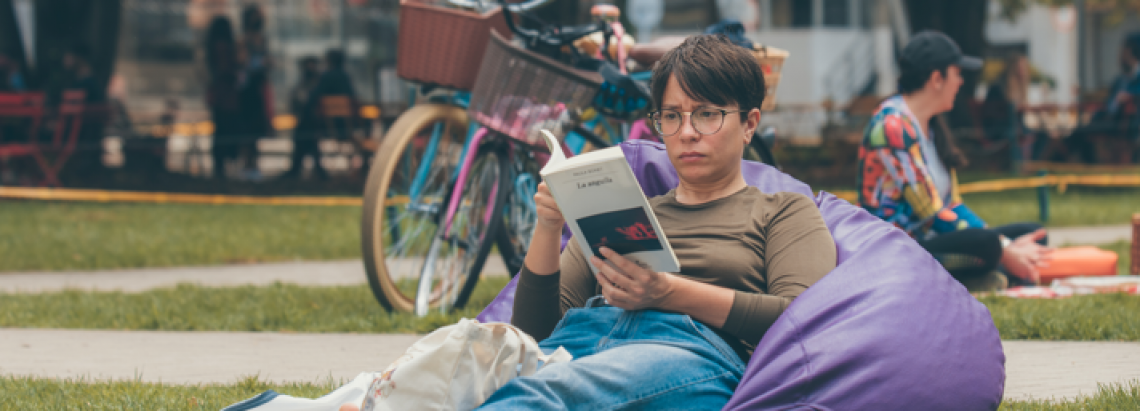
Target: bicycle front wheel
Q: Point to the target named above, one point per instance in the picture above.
(404, 197)
(461, 245)
(519, 213)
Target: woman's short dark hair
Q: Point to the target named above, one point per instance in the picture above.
(914, 78)
(711, 69)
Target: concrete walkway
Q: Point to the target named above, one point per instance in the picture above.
(1090, 235)
(1035, 369)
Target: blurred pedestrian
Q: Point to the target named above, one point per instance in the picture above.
(11, 80)
(255, 95)
(305, 141)
(1002, 114)
(903, 179)
(1117, 116)
(335, 82)
(222, 91)
(81, 75)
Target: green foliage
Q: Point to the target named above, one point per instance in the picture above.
(280, 307)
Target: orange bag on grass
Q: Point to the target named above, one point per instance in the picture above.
(1078, 261)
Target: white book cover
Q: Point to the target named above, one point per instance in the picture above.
(604, 206)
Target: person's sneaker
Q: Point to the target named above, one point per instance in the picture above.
(992, 281)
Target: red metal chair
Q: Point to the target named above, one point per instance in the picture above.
(62, 145)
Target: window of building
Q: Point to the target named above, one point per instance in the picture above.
(688, 15)
(792, 13)
(836, 13)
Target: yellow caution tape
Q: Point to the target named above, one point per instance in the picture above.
(105, 196)
(1062, 182)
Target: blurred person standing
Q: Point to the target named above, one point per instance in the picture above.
(305, 142)
(77, 62)
(80, 75)
(903, 179)
(11, 80)
(222, 92)
(255, 95)
(335, 81)
(1002, 108)
(1117, 116)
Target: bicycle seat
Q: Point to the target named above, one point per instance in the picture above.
(647, 54)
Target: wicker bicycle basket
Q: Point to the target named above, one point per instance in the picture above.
(771, 61)
(443, 46)
(518, 93)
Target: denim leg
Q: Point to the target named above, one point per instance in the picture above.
(628, 360)
(630, 376)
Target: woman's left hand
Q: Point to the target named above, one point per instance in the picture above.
(629, 286)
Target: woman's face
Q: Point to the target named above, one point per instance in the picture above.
(947, 87)
(705, 158)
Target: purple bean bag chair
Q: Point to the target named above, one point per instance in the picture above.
(888, 329)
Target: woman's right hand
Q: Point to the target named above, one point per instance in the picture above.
(549, 215)
(1024, 255)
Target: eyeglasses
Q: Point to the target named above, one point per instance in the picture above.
(705, 120)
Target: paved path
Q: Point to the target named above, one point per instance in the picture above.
(316, 273)
(1035, 369)
(1090, 235)
(1064, 369)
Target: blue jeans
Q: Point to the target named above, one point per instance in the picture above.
(627, 360)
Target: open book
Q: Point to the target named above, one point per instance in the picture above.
(604, 206)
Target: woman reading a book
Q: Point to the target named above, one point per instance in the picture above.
(654, 340)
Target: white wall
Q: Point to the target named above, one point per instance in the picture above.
(1051, 47)
(815, 53)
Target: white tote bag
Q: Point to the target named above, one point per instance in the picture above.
(457, 368)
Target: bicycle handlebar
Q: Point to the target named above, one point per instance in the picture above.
(549, 39)
(483, 5)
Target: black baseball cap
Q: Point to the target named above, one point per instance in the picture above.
(932, 49)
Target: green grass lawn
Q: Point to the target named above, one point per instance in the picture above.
(1078, 206)
(80, 236)
(280, 307)
(353, 309)
(83, 236)
(25, 393)
(1123, 250)
(1106, 317)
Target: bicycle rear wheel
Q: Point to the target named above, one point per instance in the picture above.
(518, 209)
(405, 195)
(461, 245)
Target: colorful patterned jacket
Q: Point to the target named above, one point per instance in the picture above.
(895, 182)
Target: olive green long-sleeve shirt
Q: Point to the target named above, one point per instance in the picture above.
(767, 247)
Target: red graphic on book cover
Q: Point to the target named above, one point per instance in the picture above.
(638, 231)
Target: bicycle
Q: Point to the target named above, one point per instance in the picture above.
(439, 199)
(435, 194)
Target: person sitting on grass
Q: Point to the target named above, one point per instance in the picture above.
(903, 180)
